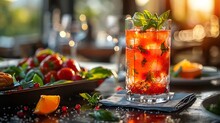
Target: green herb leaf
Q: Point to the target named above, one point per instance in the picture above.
(146, 20)
(143, 62)
(97, 73)
(176, 73)
(92, 100)
(142, 50)
(103, 115)
(147, 14)
(37, 79)
(85, 96)
(163, 48)
(29, 76)
(139, 19)
(16, 71)
(149, 76)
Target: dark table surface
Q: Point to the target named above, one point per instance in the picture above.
(194, 113)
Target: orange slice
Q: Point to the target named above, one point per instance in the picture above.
(47, 104)
(190, 70)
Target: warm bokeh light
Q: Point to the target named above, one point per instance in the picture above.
(212, 27)
(116, 48)
(62, 34)
(141, 2)
(192, 12)
(109, 38)
(198, 33)
(84, 26)
(203, 6)
(199, 11)
(82, 17)
(71, 43)
(115, 40)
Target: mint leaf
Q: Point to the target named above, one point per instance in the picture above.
(163, 17)
(139, 19)
(37, 79)
(85, 96)
(147, 14)
(103, 115)
(146, 20)
(149, 76)
(97, 73)
(92, 100)
(143, 62)
(176, 73)
(163, 48)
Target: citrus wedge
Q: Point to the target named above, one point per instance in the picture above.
(189, 70)
(47, 104)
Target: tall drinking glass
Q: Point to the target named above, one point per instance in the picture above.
(148, 63)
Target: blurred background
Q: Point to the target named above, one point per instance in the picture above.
(96, 28)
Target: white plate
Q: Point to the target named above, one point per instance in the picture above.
(208, 74)
(208, 101)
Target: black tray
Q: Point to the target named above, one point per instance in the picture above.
(30, 96)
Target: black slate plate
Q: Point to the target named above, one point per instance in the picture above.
(31, 95)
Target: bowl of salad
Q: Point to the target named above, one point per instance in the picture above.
(211, 106)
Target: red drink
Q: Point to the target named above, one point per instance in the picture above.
(148, 61)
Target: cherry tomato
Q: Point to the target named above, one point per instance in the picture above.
(51, 76)
(51, 62)
(74, 65)
(42, 53)
(32, 62)
(65, 74)
(76, 77)
(41, 57)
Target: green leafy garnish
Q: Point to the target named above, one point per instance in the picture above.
(142, 50)
(30, 74)
(143, 62)
(149, 76)
(16, 71)
(92, 100)
(214, 108)
(163, 48)
(176, 73)
(146, 20)
(37, 79)
(104, 115)
(97, 73)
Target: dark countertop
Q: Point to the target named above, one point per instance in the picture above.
(23, 113)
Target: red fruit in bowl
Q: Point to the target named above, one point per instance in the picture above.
(51, 76)
(76, 77)
(73, 64)
(65, 74)
(32, 62)
(41, 57)
(41, 53)
(51, 62)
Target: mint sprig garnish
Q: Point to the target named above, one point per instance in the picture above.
(92, 99)
(146, 20)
